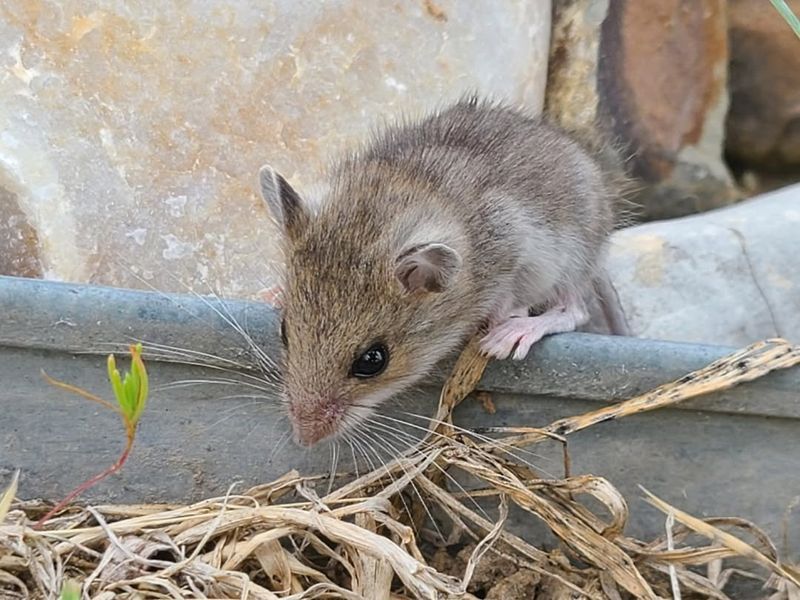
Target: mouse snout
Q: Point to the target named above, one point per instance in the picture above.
(313, 420)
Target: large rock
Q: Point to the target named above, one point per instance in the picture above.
(763, 127)
(730, 276)
(131, 133)
(653, 72)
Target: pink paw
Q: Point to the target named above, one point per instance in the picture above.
(516, 335)
(272, 296)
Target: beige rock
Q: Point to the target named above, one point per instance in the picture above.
(131, 132)
(763, 125)
(654, 72)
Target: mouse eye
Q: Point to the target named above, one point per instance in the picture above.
(371, 363)
(283, 333)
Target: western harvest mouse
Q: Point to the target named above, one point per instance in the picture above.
(477, 215)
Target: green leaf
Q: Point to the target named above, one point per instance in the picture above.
(131, 390)
(137, 367)
(70, 591)
(116, 381)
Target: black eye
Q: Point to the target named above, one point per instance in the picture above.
(371, 363)
(283, 333)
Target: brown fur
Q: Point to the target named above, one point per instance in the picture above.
(525, 206)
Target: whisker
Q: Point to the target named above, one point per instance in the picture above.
(281, 443)
(233, 409)
(363, 453)
(509, 450)
(162, 294)
(346, 437)
(264, 360)
(334, 465)
(180, 383)
(256, 425)
(177, 350)
(418, 448)
(388, 471)
(271, 364)
(257, 397)
(232, 412)
(231, 320)
(272, 385)
(394, 451)
(171, 355)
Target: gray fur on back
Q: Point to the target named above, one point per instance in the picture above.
(533, 202)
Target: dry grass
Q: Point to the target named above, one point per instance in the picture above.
(281, 540)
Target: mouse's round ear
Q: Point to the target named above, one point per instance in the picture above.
(285, 205)
(428, 267)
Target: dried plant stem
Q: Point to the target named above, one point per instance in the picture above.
(750, 363)
(352, 543)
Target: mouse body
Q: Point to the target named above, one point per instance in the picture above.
(477, 215)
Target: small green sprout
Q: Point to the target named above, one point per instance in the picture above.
(70, 591)
(131, 391)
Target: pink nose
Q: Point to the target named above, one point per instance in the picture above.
(313, 421)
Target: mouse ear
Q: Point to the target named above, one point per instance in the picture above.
(427, 268)
(284, 203)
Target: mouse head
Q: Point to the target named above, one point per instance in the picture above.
(365, 301)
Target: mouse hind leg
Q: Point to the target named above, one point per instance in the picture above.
(515, 335)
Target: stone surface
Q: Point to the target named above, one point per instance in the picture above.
(653, 72)
(763, 125)
(131, 133)
(730, 276)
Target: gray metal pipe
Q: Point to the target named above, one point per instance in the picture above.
(90, 319)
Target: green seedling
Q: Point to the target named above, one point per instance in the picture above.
(70, 591)
(131, 392)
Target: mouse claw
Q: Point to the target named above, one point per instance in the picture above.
(513, 337)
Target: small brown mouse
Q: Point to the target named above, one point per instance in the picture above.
(477, 215)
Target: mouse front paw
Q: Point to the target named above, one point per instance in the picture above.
(515, 336)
